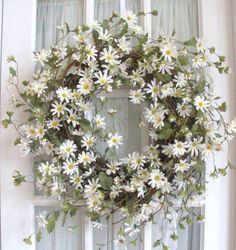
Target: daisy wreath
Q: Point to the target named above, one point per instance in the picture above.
(64, 124)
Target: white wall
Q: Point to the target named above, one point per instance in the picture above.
(217, 29)
(16, 207)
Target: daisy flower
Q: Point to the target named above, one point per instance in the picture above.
(136, 96)
(42, 219)
(73, 118)
(153, 89)
(68, 149)
(165, 67)
(100, 121)
(109, 56)
(168, 52)
(86, 158)
(85, 86)
(112, 167)
(58, 109)
(201, 103)
(195, 146)
(64, 94)
(70, 167)
(182, 166)
(37, 88)
(91, 52)
(103, 78)
(88, 141)
(47, 169)
(184, 109)
(130, 18)
(104, 35)
(55, 124)
(76, 180)
(179, 148)
(157, 179)
(180, 80)
(42, 56)
(91, 187)
(114, 140)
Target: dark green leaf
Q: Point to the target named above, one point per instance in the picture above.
(12, 71)
(28, 240)
(183, 60)
(191, 42)
(5, 123)
(85, 124)
(222, 107)
(105, 181)
(52, 222)
(39, 236)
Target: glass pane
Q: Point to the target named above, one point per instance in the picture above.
(106, 235)
(134, 5)
(125, 122)
(103, 8)
(62, 238)
(181, 15)
(53, 13)
(188, 238)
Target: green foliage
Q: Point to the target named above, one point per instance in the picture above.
(52, 221)
(18, 178)
(105, 181)
(28, 240)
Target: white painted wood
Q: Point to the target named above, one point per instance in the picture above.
(89, 11)
(122, 7)
(147, 19)
(17, 211)
(220, 199)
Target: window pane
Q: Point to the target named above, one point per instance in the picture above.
(62, 238)
(181, 15)
(188, 238)
(106, 236)
(53, 13)
(103, 8)
(125, 122)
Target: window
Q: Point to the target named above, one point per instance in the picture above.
(181, 15)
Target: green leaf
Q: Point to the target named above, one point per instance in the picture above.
(174, 237)
(105, 181)
(85, 124)
(6, 123)
(12, 71)
(183, 60)
(157, 243)
(39, 236)
(154, 12)
(165, 134)
(191, 42)
(222, 107)
(28, 240)
(130, 203)
(163, 77)
(10, 114)
(200, 165)
(52, 221)
(18, 178)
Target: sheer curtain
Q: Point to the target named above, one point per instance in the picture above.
(181, 15)
(53, 13)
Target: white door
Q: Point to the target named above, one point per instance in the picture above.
(29, 25)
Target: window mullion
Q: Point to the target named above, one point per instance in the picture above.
(89, 11)
(122, 7)
(147, 242)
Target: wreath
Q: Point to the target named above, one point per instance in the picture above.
(64, 103)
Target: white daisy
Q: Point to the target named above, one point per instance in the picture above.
(179, 148)
(88, 141)
(168, 52)
(64, 94)
(91, 187)
(114, 140)
(153, 89)
(130, 18)
(157, 179)
(85, 86)
(47, 169)
(42, 219)
(182, 166)
(73, 118)
(68, 149)
(55, 124)
(70, 167)
(76, 180)
(201, 103)
(100, 121)
(103, 78)
(109, 56)
(58, 109)
(112, 167)
(184, 109)
(86, 158)
(136, 96)
(195, 146)
(180, 80)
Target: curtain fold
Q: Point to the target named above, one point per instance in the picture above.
(181, 15)
(53, 13)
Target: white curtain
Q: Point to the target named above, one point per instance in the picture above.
(181, 15)
(53, 13)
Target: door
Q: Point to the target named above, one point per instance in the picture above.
(28, 26)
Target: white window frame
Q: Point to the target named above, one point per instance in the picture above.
(19, 202)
